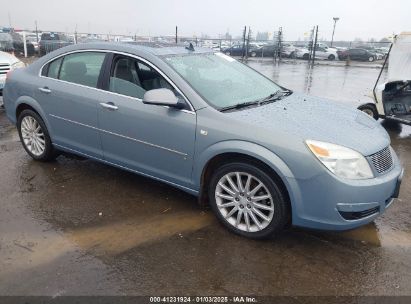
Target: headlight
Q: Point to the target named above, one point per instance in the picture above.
(341, 161)
(18, 64)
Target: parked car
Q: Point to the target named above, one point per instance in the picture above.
(259, 154)
(33, 40)
(379, 55)
(8, 63)
(357, 54)
(263, 51)
(13, 42)
(235, 50)
(320, 53)
(392, 98)
(52, 41)
(268, 50)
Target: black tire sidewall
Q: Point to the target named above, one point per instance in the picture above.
(281, 212)
(371, 108)
(48, 153)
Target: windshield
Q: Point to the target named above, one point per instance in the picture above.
(221, 80)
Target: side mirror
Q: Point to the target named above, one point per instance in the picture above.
(162, 97)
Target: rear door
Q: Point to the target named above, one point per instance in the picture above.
(67, 93)
(151, 139)
(321, 53)
(354, 54)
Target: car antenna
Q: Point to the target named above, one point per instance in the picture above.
(190, 47)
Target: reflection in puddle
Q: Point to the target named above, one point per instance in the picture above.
(368, 234)
(118, 237)
(381, 236)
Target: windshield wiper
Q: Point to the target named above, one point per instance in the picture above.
(272, 97)
(275, 96)
(239, 106)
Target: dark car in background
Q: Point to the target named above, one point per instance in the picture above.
(270, 50)
(267, 50)
(357, 54)
(235, 50)
(52, 41)
(13, 42)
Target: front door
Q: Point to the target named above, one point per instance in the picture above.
(151, 139)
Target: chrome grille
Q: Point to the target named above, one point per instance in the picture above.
(382, 160)
(4, 68)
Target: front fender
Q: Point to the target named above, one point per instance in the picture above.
(242, 147)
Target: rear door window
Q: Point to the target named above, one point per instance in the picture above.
(53, 68)
(82, 68)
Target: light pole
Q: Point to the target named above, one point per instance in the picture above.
(335, 22)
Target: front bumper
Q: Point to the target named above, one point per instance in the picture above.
(329, 203)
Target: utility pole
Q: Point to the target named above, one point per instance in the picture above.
(37, 33)
(244, 32)
(176, 34)
(315, 43)
(280, 42)
(335, 22)
(248, 43)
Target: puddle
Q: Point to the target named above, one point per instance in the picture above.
(368, 234)
(379, 236)
(120, 236)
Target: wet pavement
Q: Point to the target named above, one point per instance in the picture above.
(78, 227)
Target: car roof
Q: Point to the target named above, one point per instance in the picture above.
(157, 49)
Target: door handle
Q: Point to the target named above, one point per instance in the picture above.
(45, 90)
(109, 106)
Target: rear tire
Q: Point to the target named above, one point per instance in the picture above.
(370, 110)
(371, 58)
(331, 57)
(263, 210)
(35, 137)
(306, 56)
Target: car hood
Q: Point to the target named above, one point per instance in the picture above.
(8, 58)
(303, 117)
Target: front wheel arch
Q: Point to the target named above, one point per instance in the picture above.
(369, 109)
(217, 161)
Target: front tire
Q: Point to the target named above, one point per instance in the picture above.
(253, 54)
(34, 136)
(247, 201)
(370, 110)
(331, 57)
(371, 59)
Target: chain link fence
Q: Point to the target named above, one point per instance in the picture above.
(39, 43)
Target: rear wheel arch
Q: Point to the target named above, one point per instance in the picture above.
(24, 106)
(24, 103)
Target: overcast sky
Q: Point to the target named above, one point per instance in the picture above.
(358, 18)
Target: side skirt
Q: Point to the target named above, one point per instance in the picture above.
(186, 189)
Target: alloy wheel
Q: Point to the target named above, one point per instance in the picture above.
(244, 201)
(33, 136)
